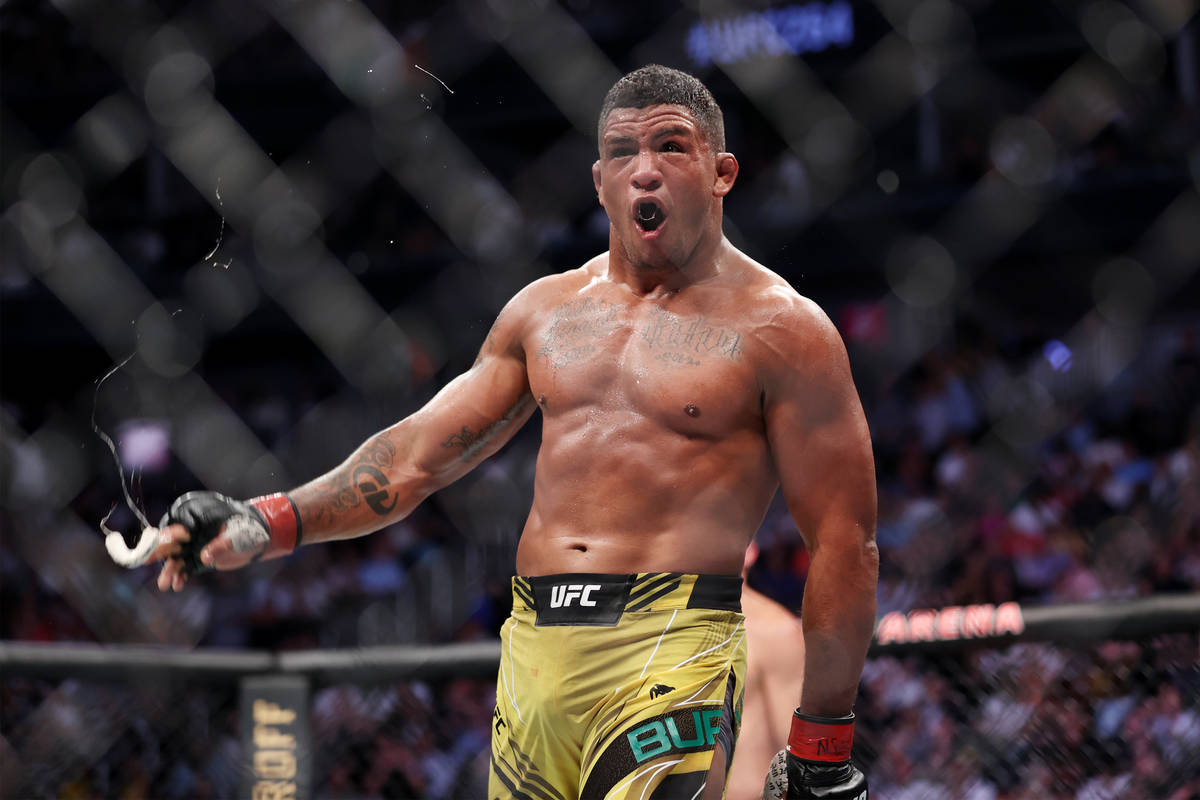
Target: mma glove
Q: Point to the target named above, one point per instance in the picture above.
(816, 764)
(268, 525)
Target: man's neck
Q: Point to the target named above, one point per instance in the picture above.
(652, 281)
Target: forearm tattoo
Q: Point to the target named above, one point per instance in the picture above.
(363, 479)
(369, 476)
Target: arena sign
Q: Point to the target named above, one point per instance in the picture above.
(952, 623)
(276, 738)
(790, 30)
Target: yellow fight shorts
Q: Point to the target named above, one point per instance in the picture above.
(617, 686)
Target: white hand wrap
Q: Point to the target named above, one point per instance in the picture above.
(114, 543)
(246, 534)
(777, 778)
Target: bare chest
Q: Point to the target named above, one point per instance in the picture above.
(687, 369)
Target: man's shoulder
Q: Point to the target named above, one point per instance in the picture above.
(549, 291)
(791, 335)
(777, 310)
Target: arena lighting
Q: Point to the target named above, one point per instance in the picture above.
(791, 30)
(144, 444)
(1058, 355)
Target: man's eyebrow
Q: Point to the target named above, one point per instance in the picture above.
(614, 140)
(674, 130)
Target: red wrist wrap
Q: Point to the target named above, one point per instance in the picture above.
(283, 523)
(821, 738)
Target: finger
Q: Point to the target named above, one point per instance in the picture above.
(166, 549)
(166, 575)
(180, 580)
(178, 532)
(172, 568)
(169, 540)
(216, 552)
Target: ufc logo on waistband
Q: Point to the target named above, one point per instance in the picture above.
(563, 595)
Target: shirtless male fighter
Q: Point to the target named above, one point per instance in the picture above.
(680, 385)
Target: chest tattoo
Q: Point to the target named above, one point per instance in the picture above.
(685, 340)
(576, 329)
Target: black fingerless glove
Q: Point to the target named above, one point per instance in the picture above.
(268, 525)
(818, 759)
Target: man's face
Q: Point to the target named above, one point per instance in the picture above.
(661, 182)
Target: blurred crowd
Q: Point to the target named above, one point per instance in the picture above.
(986, 495)
(1098, 498)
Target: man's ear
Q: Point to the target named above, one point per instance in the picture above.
(596, 181)
(727, 172)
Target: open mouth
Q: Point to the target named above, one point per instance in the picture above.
(649, 215)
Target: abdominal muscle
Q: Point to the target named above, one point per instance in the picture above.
(645, 503)
(554, 550)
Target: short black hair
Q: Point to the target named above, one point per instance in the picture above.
(655, 84)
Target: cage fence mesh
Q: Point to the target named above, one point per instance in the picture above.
(1113, 719)
(287, 223)
(84, 738)
(1035, 720)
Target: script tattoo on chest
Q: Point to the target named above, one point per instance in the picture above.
(577, 328)
(684, 341)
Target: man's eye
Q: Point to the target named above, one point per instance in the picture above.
(672, 147)
(621, 152)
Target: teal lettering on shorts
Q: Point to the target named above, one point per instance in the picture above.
(663, 735)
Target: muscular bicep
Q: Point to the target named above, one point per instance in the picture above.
(819, 440)
(471, 418)
(475, 414)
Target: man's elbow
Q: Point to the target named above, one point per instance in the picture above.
(421, 481)
(852, 565)
(869, 557)
(866, 571)
(857, 554)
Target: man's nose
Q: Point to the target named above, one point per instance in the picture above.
(646, 175)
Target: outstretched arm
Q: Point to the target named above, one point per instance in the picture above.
(390, 473)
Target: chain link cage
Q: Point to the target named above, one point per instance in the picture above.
(1096, 720)
(83, 738)
(239, 237)
(1033, 720)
